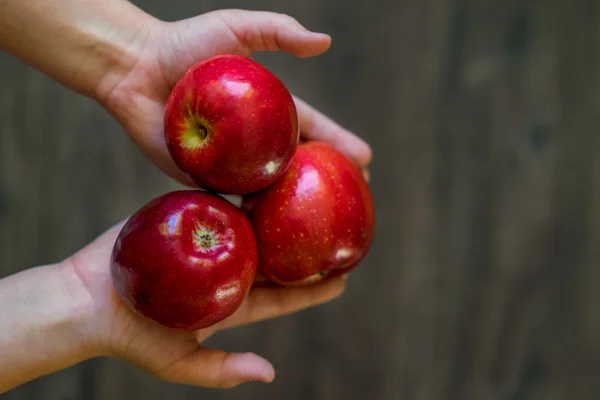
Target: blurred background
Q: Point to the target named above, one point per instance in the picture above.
(482, 282)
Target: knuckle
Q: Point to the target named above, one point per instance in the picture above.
(288, 18)
(282, 18)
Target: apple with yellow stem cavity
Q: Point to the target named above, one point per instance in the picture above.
(231, 125)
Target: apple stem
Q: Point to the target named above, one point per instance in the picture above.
(202, 131)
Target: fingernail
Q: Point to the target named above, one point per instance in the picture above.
(345, 276)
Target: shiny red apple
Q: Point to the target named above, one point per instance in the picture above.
(316, 221)
(186, 259)
(231, 125)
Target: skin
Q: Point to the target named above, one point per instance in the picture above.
(231, 125)
(192, 272)
(316, 221)
(57, 315)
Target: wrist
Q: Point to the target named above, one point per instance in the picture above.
(43, 317)
(82, 44)
(119, 51)
(81, 312)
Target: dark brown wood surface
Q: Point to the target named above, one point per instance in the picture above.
(484, 278)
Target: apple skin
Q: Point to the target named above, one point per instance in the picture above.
(316, 221)
(186, 259)
(231, 125)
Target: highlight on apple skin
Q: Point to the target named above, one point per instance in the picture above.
(186, 259)
(317, 221)
(231, 125)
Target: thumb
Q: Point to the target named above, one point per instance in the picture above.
(235, 31)
(219, 369)
(270, 31)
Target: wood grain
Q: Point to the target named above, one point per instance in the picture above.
(482, 282)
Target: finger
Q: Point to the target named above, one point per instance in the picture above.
(275, 301)
(219, 369)
(366, 174)
(270, 31)
(316, 126)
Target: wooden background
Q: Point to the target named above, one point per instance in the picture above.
(483, 280)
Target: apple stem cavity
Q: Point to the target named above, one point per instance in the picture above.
(195, 134)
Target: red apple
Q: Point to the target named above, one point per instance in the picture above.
(316, 221)
(186, 259)
(231, 125)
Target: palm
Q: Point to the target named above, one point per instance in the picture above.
(177, 355)
(138, 102)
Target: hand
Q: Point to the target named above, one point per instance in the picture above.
(174, 355)
(137, 101)
(137, 97)
(129, 61)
